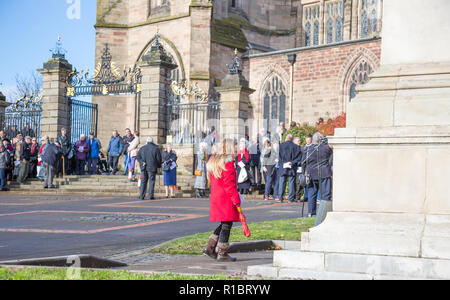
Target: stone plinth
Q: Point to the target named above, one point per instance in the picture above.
(55, 107)
(185, 161)
(234, 106)
(391, 210)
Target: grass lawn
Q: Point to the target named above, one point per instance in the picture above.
(62, 274)
(289, 229)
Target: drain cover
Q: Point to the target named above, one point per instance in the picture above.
(76, 261)
(122, 218)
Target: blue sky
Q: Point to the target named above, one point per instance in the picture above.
(30, 28)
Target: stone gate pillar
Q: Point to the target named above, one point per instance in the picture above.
(3, 106)
(55, 106)
(155, 67)
(234, 99)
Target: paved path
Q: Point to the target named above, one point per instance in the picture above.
(36, 226)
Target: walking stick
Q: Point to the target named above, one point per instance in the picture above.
(303, 205)
(63, 167)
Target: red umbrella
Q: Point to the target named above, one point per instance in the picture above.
(244, 223)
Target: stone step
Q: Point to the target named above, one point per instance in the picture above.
(299, 259)
(324, 265)
(71, 188)
(269, 271)
(60, 192)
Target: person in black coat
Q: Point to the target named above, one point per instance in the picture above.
(149, 158)
(290, 157)
(318, 162)
(27, 131)
(66, 146)
(255, 162)
(50, 157)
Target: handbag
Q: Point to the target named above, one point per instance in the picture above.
(198, 172)
(308, 180)
(302, 180)
(166, 166)
(243, 176)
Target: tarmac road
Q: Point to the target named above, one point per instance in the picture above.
(37, 226)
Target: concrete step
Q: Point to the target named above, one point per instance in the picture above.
(90, 189)
(269, 271)
(325, 265)
(100, 193)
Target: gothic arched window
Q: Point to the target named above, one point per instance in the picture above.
(311, 24)
(339, 23)
(274, 98)
(364, 25)
(316, 33)
(369, 18)
(330, 31)
(359, 76)
(373, 20)
(308, 34)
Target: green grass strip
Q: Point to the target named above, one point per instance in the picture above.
(288, 229)
(85, 274)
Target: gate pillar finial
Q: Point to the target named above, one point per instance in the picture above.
(55, 106)
(234, 107)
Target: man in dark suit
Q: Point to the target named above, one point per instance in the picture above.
(149, 157)
(290, 157)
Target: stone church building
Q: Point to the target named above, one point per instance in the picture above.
(303, 59)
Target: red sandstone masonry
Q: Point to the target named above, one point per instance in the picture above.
(320, 78)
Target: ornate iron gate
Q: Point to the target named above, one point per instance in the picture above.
(107, 80)
(83, 118)
(189, 123)
(23, 117)
(191, 114)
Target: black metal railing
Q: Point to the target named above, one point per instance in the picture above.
(84, 118)
(189, 123)
(16, 119)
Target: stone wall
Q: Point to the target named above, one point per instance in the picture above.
(320, 77)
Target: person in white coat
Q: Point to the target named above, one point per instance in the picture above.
(132, 154)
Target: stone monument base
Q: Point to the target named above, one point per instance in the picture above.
(346, 266)
(352, 245)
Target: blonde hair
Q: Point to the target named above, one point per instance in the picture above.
(225, 152)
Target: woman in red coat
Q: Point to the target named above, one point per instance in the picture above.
(224, 199)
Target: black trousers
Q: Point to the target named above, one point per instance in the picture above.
(81, 165)
(148, 178)
(256, 175)
(92, 166)
(66, 165)
(223, 231)
(112, 162)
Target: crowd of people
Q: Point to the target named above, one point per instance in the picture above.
(280, 161)
(23, 158)
(281, 164)
(233, 168)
